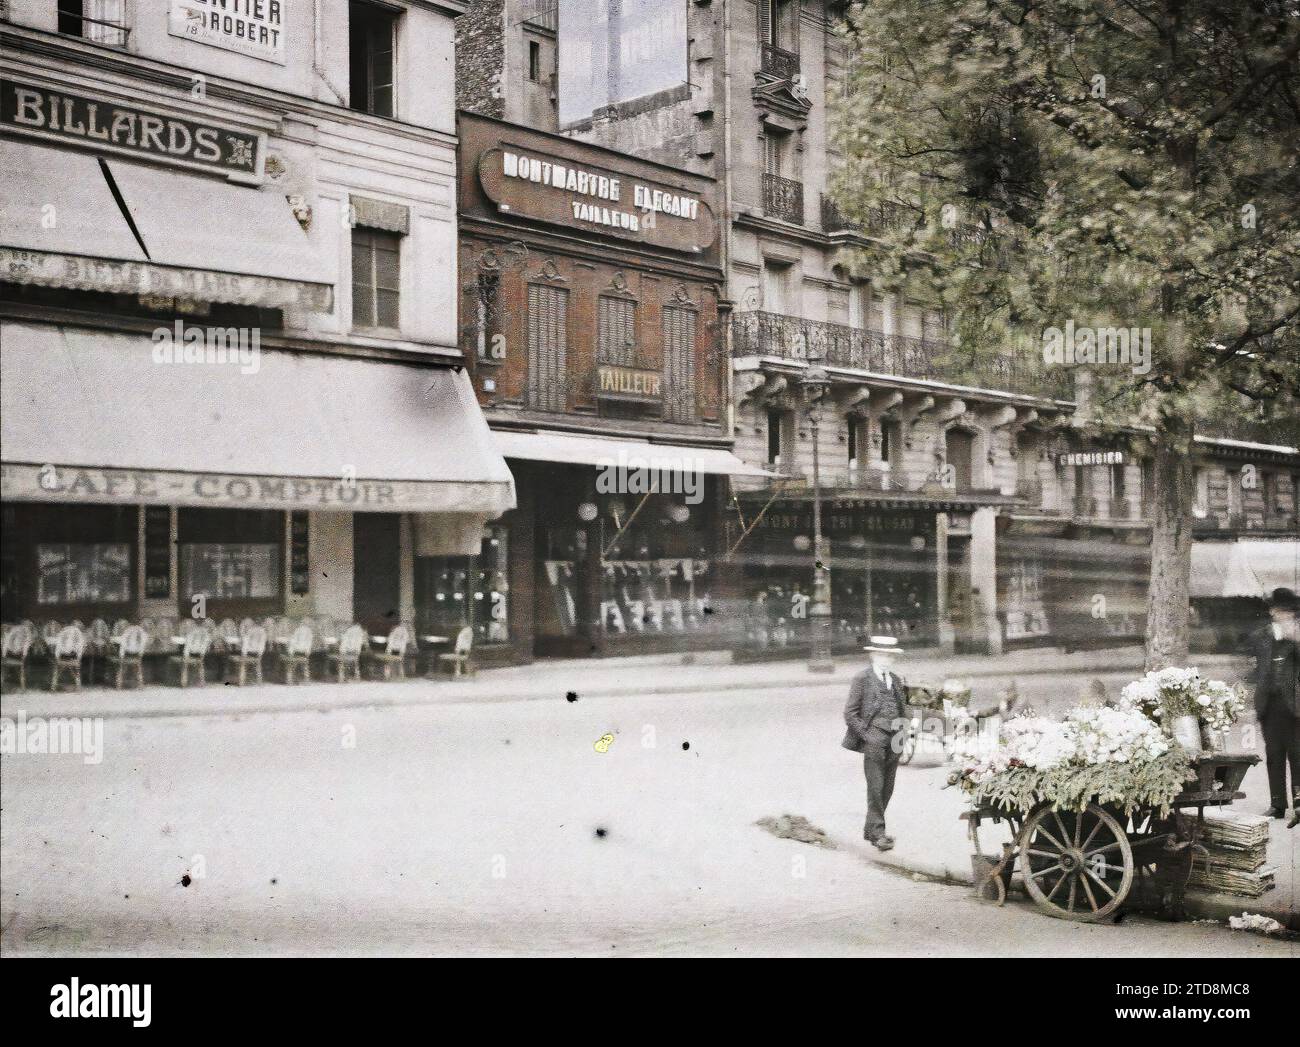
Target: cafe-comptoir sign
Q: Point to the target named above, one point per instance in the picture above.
(583, 196)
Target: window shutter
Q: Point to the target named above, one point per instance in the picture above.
(548, 326)
(679, 364)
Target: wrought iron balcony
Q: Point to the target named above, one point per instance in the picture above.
(783, 198)
(794, 338)
(778, 62)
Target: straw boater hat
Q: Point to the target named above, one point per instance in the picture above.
(883, 645)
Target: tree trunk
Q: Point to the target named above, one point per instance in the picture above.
(1171, 546)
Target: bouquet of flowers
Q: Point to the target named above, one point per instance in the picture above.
(1166, 695)
(1115, 755)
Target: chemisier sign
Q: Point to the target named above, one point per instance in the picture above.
(99, 123)
(1090, 458)
(582, 196)
(249, 27)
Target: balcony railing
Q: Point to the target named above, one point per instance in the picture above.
(888, 217)
(783, 198)
(794, 338)
(1282, 431)
(778, 62)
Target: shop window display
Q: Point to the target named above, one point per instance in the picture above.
(83, 573)
(455, 591)
(657, 576)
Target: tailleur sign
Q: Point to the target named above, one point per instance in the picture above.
(248, 27)
(580, 195)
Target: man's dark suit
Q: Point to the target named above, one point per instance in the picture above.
(874, 715)
(1277, 705)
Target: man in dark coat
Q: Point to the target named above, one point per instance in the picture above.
(877, 722)
(1277, 697)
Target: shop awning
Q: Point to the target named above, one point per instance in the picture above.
(574, 449)
(1244, 568)
(90, 416)
(173, 234)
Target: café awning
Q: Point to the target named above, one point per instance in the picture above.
(608, 451)
(1244, 568)
(87, 223)
(92, 416)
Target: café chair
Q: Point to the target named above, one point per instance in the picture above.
(296, 656)
(65, 656)
(191, 656)
(126, 656)
(251, 650)
(17, 643)
(347, 659)
(459, 657)
(393, 656)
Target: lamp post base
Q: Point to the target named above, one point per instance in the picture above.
(820, 659)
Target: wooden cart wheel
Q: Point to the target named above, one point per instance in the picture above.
(1077, 865)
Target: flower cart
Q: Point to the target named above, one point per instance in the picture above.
(1099, 804)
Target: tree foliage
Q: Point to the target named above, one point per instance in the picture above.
(1118, 164)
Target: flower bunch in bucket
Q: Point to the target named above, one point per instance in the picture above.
(1183, 702)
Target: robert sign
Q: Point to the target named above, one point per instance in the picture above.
(249, 27)
(103, 124)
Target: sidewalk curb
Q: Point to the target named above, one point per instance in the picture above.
(1200, 904)
(207, 707)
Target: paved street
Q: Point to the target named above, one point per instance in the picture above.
(498, 828)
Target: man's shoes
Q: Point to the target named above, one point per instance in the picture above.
(884, 843)
(1275, 812)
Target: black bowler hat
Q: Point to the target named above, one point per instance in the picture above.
(1284, 599)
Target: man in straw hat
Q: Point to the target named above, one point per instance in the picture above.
(876, 722)
(1277, 697)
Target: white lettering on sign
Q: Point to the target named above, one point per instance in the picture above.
(588, 183)
(1092, 458)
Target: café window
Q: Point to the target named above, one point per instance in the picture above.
(548, 338)
(103, 21)
(453, 592)
(376, 278)
(372, 32)
(232, 556)
(83, 573)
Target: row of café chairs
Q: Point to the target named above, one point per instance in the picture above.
(124, 646)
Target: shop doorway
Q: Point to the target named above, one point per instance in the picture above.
(376, 570)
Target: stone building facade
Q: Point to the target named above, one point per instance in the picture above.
(231, 360)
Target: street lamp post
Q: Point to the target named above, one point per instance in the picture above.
(815, 383)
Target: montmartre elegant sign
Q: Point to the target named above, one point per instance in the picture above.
(248, 27)
(155, 487)
(615, 382)
(583, 196)
(102, 124)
